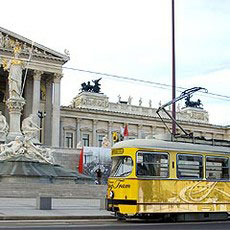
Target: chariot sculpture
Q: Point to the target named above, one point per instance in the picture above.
(87, 87)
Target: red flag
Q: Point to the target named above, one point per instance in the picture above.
(126, 133)
(80, 164)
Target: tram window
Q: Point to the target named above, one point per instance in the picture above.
(152, 164)
(217, 168)
(121, 166)
(189, 166)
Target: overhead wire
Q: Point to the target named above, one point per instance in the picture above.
(156, 84)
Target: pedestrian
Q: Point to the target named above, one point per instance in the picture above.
(99, 175)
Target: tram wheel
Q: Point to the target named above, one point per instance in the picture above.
(119, 216)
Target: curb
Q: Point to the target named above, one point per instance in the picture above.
(55, 217)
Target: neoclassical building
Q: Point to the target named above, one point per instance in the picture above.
(41, 77)
(91, 116)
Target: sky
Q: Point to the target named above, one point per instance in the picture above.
(132, 38)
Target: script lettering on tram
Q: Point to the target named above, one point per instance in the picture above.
(118, 184)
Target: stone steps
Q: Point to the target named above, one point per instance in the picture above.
(57, 190)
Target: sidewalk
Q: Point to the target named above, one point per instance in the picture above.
(25, 209)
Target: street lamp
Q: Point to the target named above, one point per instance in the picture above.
(173, 73)
(41, 115)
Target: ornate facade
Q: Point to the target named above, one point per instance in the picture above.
(40, 85)
(91, 116)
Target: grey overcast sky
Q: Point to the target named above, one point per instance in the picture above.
(132, 38)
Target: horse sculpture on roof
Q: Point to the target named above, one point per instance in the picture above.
(193, 104)
(87, 87)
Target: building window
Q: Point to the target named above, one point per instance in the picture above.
(85, 139)
(100, 139)
(69, 139)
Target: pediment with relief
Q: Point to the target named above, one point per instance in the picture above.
(10, 40)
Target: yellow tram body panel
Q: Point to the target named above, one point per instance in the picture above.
(125, 191)
(167, 196)
(135, 195)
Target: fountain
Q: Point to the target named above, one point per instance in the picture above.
(21, 158)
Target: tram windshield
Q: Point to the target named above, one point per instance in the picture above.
(121, 166)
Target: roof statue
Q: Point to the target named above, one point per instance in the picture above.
(124, 102)
(140, 101)
(150, 103)
(130, 100)
(87, 87)
(193, 104)
(119, 98)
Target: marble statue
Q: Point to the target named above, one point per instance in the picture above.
(11, 149)
(119, 98)
(130, 100)
(160, 104)
(105, 142)
(25, 147)
(79, 145)
(1, 40)
(29, 127)
(140, 101)
(15, 75)
(14, 67)
(150, 103)
(4, 127)
(36, 152)
(7, 42)
(178, 107)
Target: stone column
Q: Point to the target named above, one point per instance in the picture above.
(78, 132)
(153, 130)
(62, 134)
(36, 99)
(95, 133)
(56, 110)
(15, 106)
(139, 131)
(28, 91)
(36, 91)
(110, 132)
(48, 110)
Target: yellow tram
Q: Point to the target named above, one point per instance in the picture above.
(185, 181)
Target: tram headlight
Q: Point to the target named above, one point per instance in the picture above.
(111, 194)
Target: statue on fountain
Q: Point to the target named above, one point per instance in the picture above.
(4, 127)
(15, 67)
(24, 146)
(29, 127)
(11, 149)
